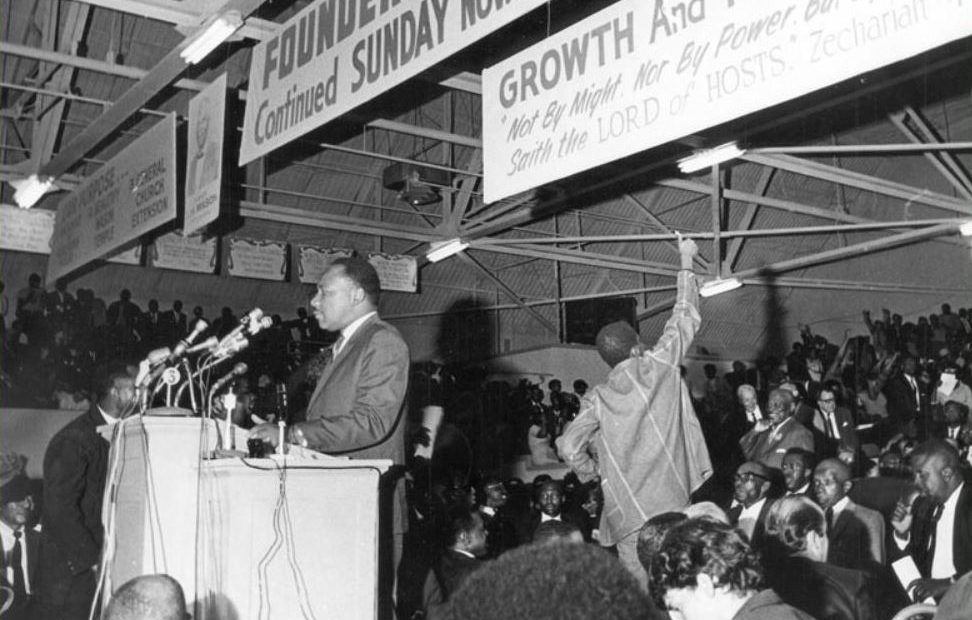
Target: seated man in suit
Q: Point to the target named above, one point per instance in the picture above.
(956, 416)
(856, 533)
(935, 525)
(19, 541)
(466, 546)
(494, 508)
(834, 432)
(751, 487)
(549, 502)
(798, 570)
(769, 440)
(798, 471)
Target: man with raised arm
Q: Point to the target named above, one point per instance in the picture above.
(650, 451)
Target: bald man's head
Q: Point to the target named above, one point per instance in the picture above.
(148, 597)
(831, 482)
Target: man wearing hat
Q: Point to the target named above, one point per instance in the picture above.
(20, 543)
(641, 423)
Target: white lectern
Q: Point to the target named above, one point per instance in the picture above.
(282, 537)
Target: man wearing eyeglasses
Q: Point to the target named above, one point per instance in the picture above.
(751, 504)
(834, 434)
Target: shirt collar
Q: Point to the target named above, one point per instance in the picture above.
(464, 552)
(754, 509)
(801, 491)
(349, 331)
(953, 498)
(108, 419)
(841, 504)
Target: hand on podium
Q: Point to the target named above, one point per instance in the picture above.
(267, 433)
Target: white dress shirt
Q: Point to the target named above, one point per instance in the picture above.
(7, 535)
(943, 562)
(749, 517)
(349, 331)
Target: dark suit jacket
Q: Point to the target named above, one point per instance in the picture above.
(767, 605)
(857, 537)
(758, 539)
(500, 530)
(31, 546)
(828, 447)
(922, 527)
(75, 468)
(902, 402)
(356, 408)
(528, 525)
(825, 592)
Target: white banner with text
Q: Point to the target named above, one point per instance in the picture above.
(173, 251)
(396, 272)
(204, 159)
(265, 260)
(130, 195)
(335, 55)
(313, 261)
(642, 73)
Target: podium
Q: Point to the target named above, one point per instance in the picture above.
(291, 536)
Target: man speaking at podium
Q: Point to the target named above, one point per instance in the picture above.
(356, 408)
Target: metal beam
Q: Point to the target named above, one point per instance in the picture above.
(866, 247)
(732, 253)
(311, 219)
(860, 181)
(161, 75)
(822, 149)
(180, 14)
(944, 162)
(588, 259)
(760, 232)
(475, 264)
(90, 64)
(425, 132)
(660, 224)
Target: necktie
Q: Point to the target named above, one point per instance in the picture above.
(16, 562)
(829, 514)
(936, 515)
(337, 346)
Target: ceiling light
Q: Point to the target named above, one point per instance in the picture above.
(719, 286)
(966, 229)
(709, 157)
(439, 250)
(211, 36)
(28, 191)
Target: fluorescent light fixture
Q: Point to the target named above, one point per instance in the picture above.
(211, 36)
(28, 191)
(966, 229)
(719, 286)
(439, 250)
(709, 157)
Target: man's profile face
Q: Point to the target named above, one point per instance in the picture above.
(827, 401)
(17, 514)
(336, 300)
(748, 400)
(795, 472)
(122, 393)
(930, 477)
(496, 495)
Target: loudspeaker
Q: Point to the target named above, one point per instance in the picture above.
(584, 318)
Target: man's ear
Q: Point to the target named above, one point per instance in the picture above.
(847, 486)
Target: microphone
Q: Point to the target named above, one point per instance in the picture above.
(258, 326)
(180, 349)
(209, 343)
(239, 369)
(158, 356)
(245, 322)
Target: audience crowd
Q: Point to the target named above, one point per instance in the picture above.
(831, 467)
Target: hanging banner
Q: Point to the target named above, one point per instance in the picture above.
(396, 272)
(312, 261)
(638, 74)
(26, 230)
(333, 56)
(173, 251)
(265, 260)
(129, 256)
(204, 160)
(130, 195)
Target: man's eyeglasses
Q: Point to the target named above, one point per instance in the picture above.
(748, 477)
(825, 400)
